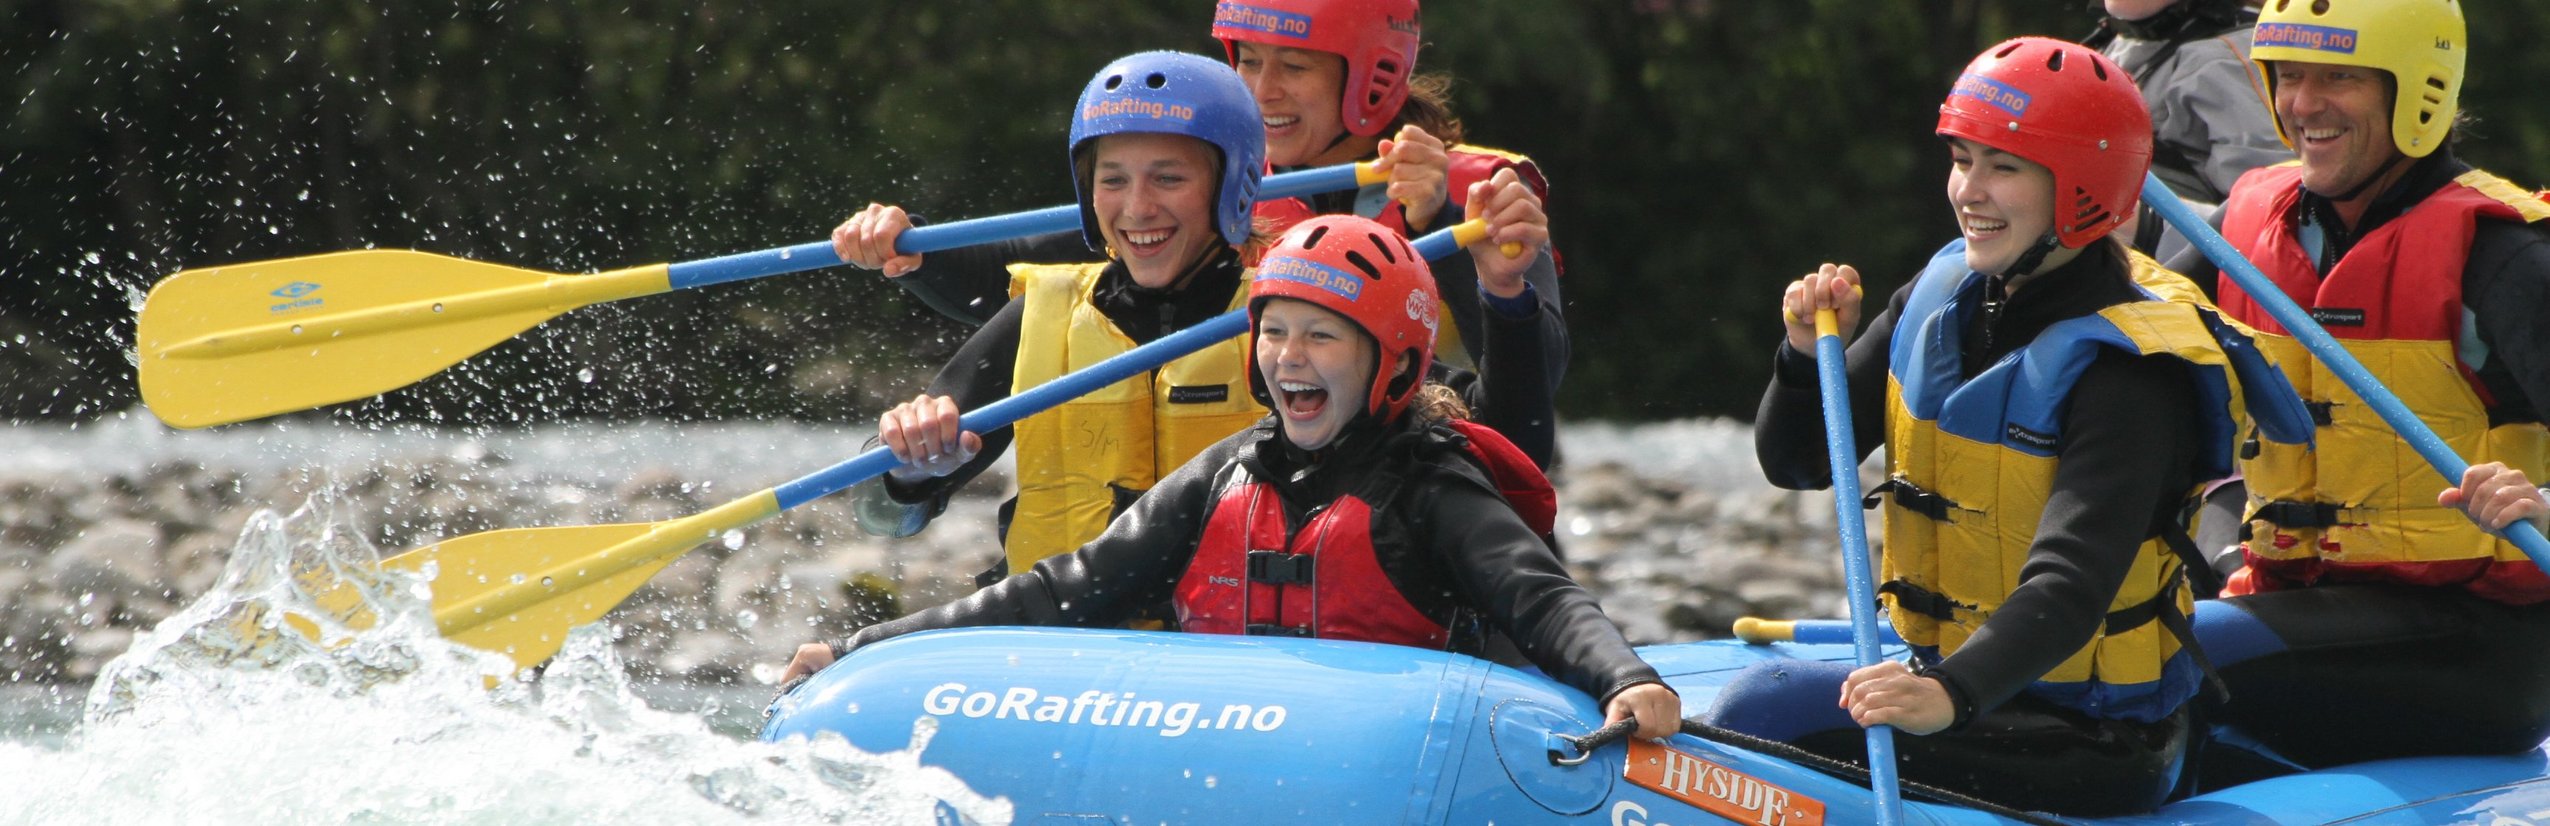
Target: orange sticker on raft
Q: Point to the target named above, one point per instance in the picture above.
(1721, 791)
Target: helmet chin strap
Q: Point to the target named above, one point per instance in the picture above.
(2034, 256)
(2369, 180)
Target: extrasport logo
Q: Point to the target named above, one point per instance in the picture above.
(1345, 284)
(2303, 36)
(1999, 95)
(1098, 708)
(1270, 21)
(295, 296)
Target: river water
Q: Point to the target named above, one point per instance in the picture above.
(222, 714)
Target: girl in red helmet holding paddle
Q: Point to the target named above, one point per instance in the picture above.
(2049, 401)
(1363, 509)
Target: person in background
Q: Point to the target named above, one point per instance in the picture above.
(1363, 508)
(2210, 121)
(2049, 401)
(2364, 596)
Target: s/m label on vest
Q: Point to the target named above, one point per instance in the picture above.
(1717, 789)
(1200, 394)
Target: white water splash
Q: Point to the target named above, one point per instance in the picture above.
(226, 714)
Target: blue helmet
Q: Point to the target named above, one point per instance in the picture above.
(1178, 94)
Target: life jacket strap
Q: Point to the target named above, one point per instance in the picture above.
(2291, 514)
(1923, 601)
(1910, 497)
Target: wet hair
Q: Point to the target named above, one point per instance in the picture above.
(1438, 403)
(1429, 107)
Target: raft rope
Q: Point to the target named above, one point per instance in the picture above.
(1586, 744)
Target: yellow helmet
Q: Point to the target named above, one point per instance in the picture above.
(2422, 43)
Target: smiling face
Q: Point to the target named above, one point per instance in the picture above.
(2004, 203)
(1317, 365)
(1299, 92)
(1153, 194)
(2338, 118)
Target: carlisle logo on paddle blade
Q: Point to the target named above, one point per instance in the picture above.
(292, 295)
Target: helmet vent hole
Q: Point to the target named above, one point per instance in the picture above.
(2054, 60)
(1155, 80)
(1114, 81)
(1384, 247)
(1357, 258)
(1316, 233)
(2005, 51)
(2320, 6)
(2099, 69)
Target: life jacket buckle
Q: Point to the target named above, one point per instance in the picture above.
(2289, 514)
(1280, 568)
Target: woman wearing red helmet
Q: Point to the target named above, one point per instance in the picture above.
(1389, 520)
(2049, 401)
(1336, 81)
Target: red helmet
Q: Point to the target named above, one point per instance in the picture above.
(1378, 38)
(2068, 108)
(1353, 267)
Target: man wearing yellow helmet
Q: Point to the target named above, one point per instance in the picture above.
(2363, 596)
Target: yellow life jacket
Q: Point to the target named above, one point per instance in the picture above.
(2364, 500)
(1080, 462)
(1972, 461)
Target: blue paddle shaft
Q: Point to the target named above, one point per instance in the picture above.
(1843, 446)
(876, 461)
(2298, 323)
(749, 265)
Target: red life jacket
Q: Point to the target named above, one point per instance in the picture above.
(1327, 581)
(2358, 505)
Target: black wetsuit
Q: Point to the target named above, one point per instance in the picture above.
(1457, 550)
(2127, 460)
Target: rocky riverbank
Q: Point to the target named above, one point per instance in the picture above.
(1667, 523)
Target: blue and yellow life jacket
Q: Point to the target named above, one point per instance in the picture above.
(1972, 462)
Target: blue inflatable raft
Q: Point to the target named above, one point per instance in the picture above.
(1125, 727)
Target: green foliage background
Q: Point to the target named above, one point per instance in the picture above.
(1703, 153)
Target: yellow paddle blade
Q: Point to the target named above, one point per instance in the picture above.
(471, 568)
(517, 592)
(238, 342)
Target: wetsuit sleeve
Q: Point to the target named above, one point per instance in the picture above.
(1135, 564)
(1788, 429)
(1514, 580)
(2506, 285)
(978, 375)
(1458, 276)
(1512, 398)
(2127, 457)
(971, 284)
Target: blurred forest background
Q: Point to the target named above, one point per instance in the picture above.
(1703, 153)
